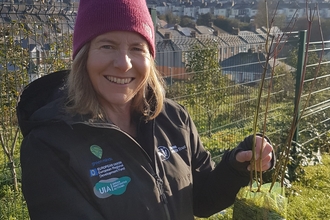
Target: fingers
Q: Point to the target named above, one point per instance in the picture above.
(247, 156)
(265, 166)
(263, 148)
(267, 160)
(264, 145)
(265, 163)
(243, 156)
(266, 155)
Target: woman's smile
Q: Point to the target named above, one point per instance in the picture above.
(118, 80)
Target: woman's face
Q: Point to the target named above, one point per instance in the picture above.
(118, 64)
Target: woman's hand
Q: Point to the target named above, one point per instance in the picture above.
(266, 155)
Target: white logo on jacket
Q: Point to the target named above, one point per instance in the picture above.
(165, 152)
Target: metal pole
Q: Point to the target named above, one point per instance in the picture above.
(171, 75)
(300, 68)
(153, 14)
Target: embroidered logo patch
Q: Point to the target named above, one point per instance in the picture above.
(96, 150)
(107, 170)
(148, 30)
(114, 186)
(164, 152)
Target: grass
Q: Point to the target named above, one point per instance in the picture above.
(308, 199)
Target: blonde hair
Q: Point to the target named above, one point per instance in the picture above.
(82, 98)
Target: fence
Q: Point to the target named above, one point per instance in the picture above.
(217, 78)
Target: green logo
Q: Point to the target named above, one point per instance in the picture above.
(96, 150)
(113, 186)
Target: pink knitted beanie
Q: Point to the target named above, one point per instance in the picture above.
(96, 17)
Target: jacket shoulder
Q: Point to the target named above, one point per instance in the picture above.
(175, 112)
(38, 94)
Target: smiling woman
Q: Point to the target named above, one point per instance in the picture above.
(118, 70)
(118, 74)
(101, 141)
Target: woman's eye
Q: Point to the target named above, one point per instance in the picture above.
(138, 49)
(106, 47)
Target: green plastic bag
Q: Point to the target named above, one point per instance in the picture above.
(263, 205)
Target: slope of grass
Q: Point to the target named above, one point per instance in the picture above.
(309, 198)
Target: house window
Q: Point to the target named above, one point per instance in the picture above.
(256, 76)
(243, 49)
(240, 77)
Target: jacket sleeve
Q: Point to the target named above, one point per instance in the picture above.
(214, 189)
(47, 185)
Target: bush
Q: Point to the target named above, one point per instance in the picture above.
(12, 204)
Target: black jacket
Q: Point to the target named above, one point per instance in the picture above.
(75, 168)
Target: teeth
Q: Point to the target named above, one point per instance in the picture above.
(118, 80)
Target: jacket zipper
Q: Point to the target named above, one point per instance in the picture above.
(159, 181)
(163, 198)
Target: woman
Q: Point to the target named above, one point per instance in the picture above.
(102, 142)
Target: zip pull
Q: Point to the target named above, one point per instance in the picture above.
(163, 198)
(160, 186)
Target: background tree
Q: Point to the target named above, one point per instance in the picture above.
(283, 84)
(59, 57)
(262, 16)
(224, 23)
(206, 85)
(301, 24)
(228, 24)
(313, 58)
(186, 21)
(14, 62)
(205, 19)
(170, 18)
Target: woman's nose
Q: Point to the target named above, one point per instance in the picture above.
(123, 61)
